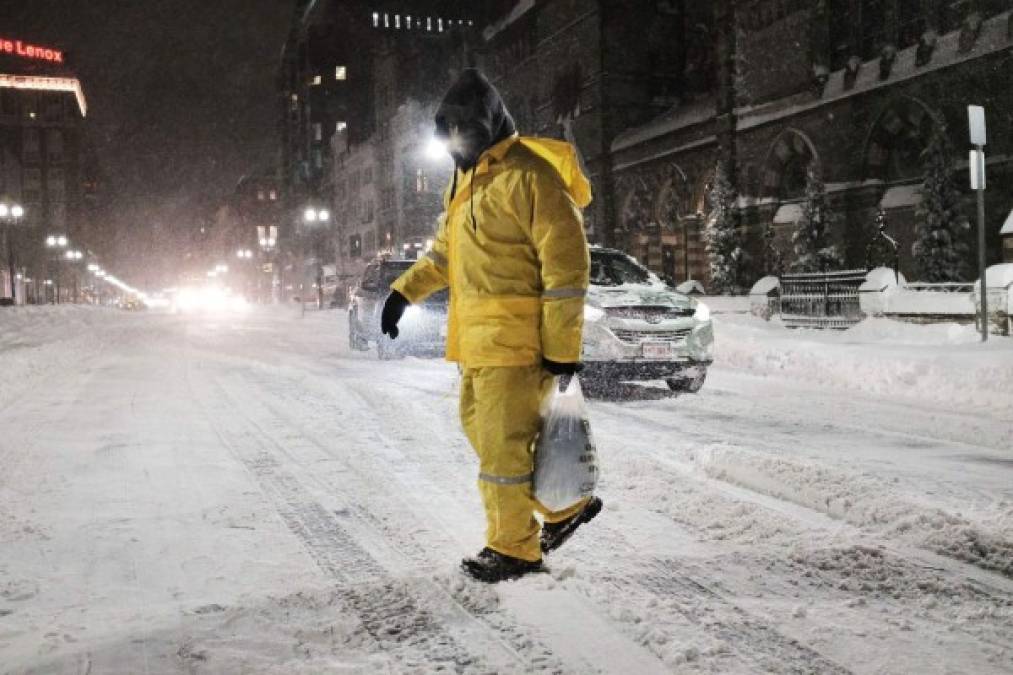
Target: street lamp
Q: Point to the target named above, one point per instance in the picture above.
(10, 214)
(436, 149)
(314, 215)
(56, 241)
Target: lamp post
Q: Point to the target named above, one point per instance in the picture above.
(73, 257)
(246, 256)
(55, 243)
(312, 216)
(267, 237)
(10, 214)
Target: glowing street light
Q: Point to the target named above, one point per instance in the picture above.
(436, 149)
(244, 254)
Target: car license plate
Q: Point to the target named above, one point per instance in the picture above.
(657, 350)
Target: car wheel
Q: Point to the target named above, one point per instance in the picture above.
(687, 385)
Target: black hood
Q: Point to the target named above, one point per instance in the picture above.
(472, 118)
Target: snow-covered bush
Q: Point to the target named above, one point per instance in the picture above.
(940, 250)
(725, 254)
(813, 250)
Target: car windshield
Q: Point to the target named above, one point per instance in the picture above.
(614, 269)
(392, 270)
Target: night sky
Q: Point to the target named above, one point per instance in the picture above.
(181, 105)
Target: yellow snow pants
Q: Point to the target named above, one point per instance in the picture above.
(501, 415)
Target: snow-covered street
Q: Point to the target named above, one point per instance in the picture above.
(238, 495)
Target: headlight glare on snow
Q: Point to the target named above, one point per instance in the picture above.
(702, 313)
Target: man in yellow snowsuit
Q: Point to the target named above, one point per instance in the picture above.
(512, 249)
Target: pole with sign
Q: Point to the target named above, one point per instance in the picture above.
(976, 166)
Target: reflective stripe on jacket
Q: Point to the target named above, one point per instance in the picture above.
(512, 249)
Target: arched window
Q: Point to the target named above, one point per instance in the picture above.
(790, 157)
(900, 133)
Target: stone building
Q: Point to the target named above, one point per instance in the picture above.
(46, 165)
(655, 93)
(587, 71)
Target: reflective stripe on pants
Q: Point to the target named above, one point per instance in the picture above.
(501, 415)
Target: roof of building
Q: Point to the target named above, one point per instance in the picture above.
(519, 10)
(678, 117)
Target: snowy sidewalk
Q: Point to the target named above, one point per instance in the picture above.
(941, 364)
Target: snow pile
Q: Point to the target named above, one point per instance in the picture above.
(866, 500)
(942, 364)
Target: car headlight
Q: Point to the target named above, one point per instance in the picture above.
(702, 313)
(592, 313)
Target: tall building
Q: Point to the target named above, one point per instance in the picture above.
(45, 162)
(357, 83)
(655, 93)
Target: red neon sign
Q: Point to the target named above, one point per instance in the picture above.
(27, 51)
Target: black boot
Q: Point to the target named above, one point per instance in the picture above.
(555, 535)
(490, 566)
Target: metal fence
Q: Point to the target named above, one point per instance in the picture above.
(821, 299)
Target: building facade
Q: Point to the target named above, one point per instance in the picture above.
(45, 166)
(367, 160)
(852, 90)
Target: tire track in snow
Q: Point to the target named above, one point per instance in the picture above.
(759, 643)
(422, 497)
(449, 634)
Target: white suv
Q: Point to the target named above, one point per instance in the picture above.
(638, 328)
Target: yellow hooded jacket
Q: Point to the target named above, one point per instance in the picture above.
(512, 249)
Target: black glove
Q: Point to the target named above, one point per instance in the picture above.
(393, 309)
(557, 368)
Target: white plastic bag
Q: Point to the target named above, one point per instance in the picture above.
(566, 461)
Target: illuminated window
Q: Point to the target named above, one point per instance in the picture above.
(274, 195)
(341, 73)
(340, 126)
(376, 19)
(317, 80)
(260, 195)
